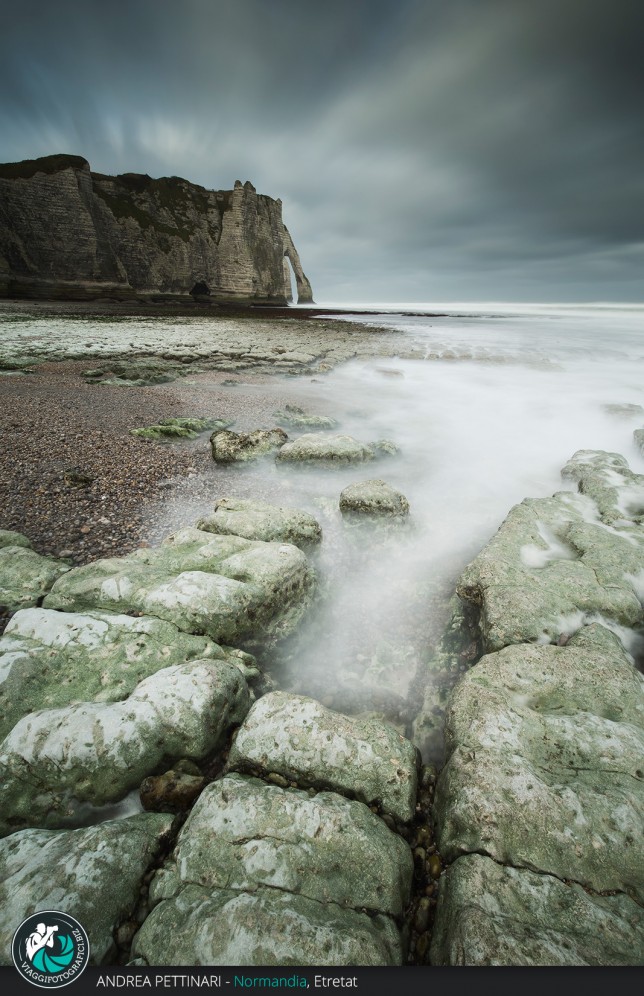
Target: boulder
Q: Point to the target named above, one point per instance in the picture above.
(225, 587)
(56, 761)
(489, 914)
(267, 927)
(25, 576)
(300, 739)
(243, 834)
(545, 765)
(373, 498)
(257, 520)
(234, 447)
(94, 874)
(553, 564)
(331, 449)
(50, 659)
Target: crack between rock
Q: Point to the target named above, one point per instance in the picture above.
(368, 911)
(546, 874)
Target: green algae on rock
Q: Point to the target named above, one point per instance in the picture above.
(490, 914)
(50, 659)
(46, 869)
(225, 587)
(373, 498)
(256, 520)
(544, 769)
(222, 927)
(25, 576)
(179, 428)
(244, 834)
(56, 761)
(332, 449)
(297, 737)
(298, 419)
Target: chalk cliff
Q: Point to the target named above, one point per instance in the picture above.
(68, 232)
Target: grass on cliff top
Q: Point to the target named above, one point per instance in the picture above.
(171, 193)
(47, 164)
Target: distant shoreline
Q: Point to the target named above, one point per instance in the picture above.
(187, 308)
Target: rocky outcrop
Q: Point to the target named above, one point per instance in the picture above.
(540, 805)
(25, 576)
(224, 587)
(297, 738)
(56, 761)
(257, 520)
(332, 450)
(264, 875)
(95, 874)
(68, 232)
(49, 659)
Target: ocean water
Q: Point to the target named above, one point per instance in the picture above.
(504, 397)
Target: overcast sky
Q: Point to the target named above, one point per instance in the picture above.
(425, 150)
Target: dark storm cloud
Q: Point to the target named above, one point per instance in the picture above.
(443, 148)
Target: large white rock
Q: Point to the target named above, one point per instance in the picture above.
(257, 520)
(25, 576)
(226, 587)
(55, 761)
(546, 763)
(267, 927)
(94, 874)
(297, 737)
(493, 915)
(50, 659)
(243, 834)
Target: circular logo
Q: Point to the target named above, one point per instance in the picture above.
(50, 949)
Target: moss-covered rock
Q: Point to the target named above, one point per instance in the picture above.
(552, 564)
(256, 520)
(544, 770)
(267, 927)
(298, 419)
(225, 587)
(95, 874)
(244, 834)
(57, 760)
(50, 659)
(180, 428)
(25, 576)
(373, 498)
(493, 915)
(297, 737)
(332, 449)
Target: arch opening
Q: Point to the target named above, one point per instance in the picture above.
(289, 279)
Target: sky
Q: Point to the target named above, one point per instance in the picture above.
(424, 150)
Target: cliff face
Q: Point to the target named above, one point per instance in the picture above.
(68, 232)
